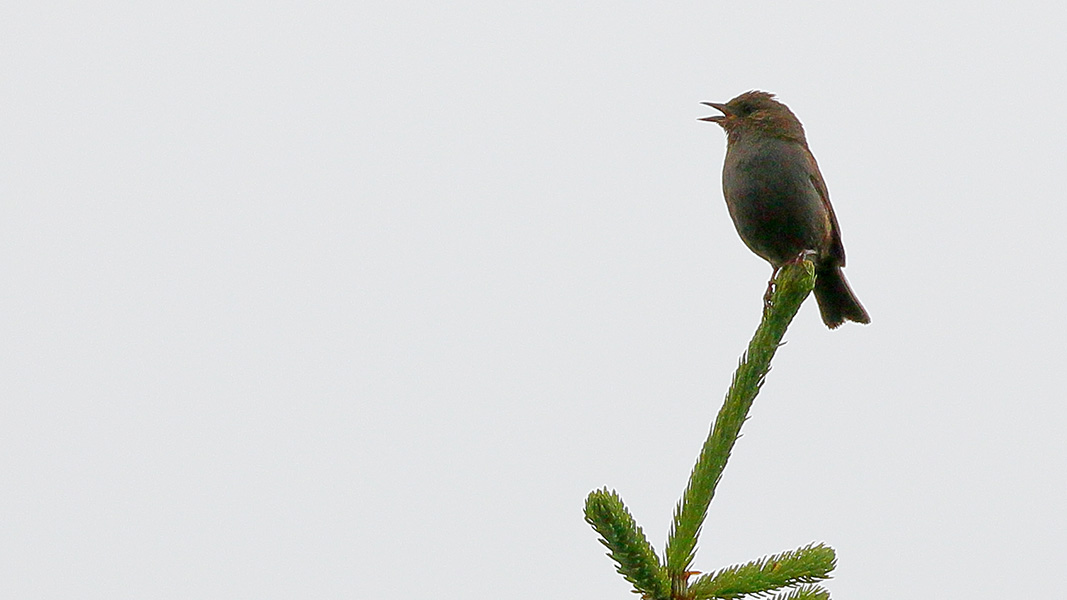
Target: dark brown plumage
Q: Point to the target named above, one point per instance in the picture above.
(778, 200)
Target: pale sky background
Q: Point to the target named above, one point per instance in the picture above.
(361, 300)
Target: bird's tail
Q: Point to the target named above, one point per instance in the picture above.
(837, 302)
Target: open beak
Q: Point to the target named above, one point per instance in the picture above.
(716, 118)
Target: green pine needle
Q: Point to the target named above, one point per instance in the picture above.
(807, 592)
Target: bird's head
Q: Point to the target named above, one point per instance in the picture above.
(757, 111)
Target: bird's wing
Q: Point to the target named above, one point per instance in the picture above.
(837, 249)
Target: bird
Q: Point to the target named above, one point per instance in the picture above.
(778, 200)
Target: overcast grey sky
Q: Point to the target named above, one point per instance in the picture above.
(360, 300)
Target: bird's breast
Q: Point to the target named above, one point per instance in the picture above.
(771, 199)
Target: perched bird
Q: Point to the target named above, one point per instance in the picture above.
(778, 200)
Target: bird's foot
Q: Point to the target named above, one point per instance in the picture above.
(802, 256)
(770, 291)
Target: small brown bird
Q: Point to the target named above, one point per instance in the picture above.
(778, 200)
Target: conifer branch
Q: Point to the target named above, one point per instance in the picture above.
(795, 572)
(809, 564)
(792, 285)
(627, 545)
